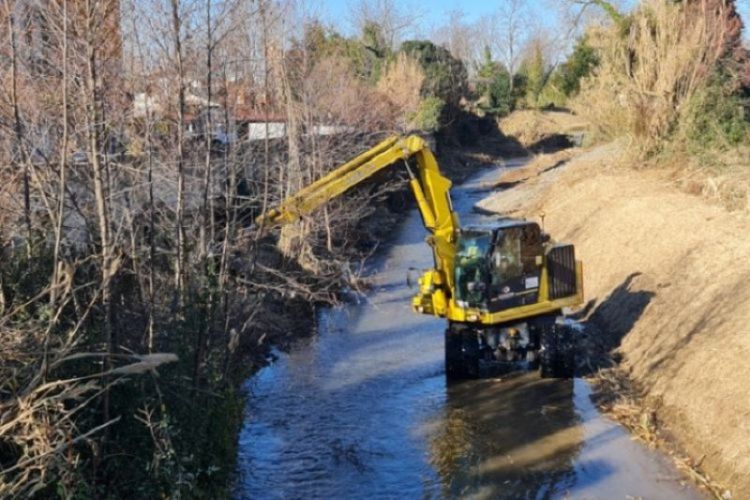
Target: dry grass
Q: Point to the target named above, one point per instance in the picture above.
(646, 77)
(536, 166)
(39, 423)
(40, 412)
(719, 177)
(531, 126)
(723, 180)
(617, 397)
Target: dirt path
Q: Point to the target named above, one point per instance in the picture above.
(362, 410)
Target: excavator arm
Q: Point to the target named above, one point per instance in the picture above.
(430, 188)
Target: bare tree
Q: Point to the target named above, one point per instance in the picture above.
(396, 20)
(459, 37)
(505, 32)
(176, 15)
(63, 158)
(575, 15)
(98, 143)
(10, 14)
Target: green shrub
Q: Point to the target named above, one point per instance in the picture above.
(579, 65)
(714, 117)
(427, 117)
(535, 69)
(493, 86)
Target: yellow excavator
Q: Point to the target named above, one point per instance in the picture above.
(502, 288)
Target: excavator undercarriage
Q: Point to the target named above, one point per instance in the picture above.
(546, 343)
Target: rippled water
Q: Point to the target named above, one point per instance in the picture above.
(362, 409)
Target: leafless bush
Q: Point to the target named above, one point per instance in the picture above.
(40, 411)
(327, 91)
(332, 94)
(125, 232)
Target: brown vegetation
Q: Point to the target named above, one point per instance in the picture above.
(127, 240)
(654, 65)
(532, 126)
(401, 84)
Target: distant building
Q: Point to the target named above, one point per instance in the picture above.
(254, 118)
(235, 113)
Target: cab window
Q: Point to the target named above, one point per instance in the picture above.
(514, 253)
(471, 267)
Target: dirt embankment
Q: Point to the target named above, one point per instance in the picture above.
(668, 287)
(542, 131)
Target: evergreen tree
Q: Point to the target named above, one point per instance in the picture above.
(445, 76)
(579, 65)
(493, 86)
(535, 70)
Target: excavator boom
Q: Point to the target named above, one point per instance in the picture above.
(430, 187)
(439, 293)
(501, 288)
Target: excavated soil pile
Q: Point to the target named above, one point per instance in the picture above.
(668, 280)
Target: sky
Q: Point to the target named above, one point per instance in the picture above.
(431, 14)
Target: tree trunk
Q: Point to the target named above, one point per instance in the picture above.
(177, 40)
(17, 124)
(94, 126)
(63, 160)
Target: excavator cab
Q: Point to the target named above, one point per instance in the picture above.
(513, 282)
(500, 267)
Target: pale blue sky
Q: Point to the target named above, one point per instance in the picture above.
(434, 13)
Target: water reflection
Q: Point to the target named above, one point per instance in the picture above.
(514, 438)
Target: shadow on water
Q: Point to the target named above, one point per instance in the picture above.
(516, 438)
(524, 437)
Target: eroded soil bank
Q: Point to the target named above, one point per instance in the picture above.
(668, 287)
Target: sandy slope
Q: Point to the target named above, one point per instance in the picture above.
(531, 126)
(670, 274)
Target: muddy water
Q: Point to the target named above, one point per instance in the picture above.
(362, 409)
